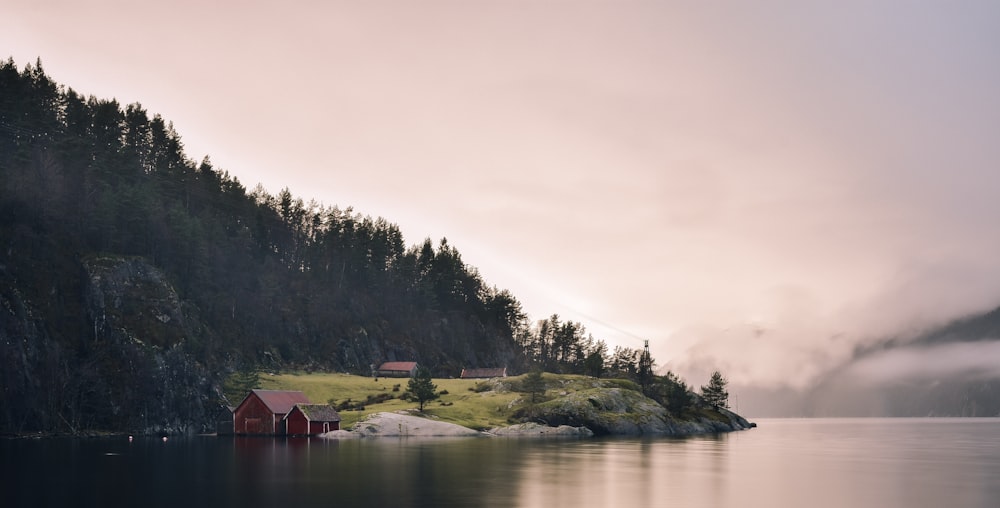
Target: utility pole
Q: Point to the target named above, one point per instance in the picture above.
(645, 366)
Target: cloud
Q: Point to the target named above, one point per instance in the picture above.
(962, 360)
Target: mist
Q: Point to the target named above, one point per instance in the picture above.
(964, 360)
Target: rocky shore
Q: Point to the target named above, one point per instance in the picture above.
(405, 425)
(651, 422)
(624, 412)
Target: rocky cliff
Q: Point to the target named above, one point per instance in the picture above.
(623, 412)
(150, 380)
(124, 365)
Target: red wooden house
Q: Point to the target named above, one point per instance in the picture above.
(311, 419)
(263, 412)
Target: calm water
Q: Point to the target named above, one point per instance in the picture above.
(782, 463)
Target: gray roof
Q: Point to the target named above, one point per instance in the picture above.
(398, 366)
(319, 412)
(483, 373)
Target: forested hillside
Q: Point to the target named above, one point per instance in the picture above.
(133, 279)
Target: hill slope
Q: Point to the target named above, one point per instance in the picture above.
(133, 280)
(120, 257)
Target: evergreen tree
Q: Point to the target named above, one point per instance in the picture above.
(593, 365)
(421, 386)
(715, 392)
(239, 384)
(676, 394)
(534, 384)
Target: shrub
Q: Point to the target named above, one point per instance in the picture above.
(378, 399)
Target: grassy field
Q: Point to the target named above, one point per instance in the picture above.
(461, 404)
(480, 404)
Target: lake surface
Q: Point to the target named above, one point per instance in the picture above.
(782, 463)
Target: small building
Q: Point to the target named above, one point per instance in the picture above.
(483, 373)
(224, 425)
(397, 369)
(263, 412)
(311, 419)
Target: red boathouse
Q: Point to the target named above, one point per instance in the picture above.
(263, 412)
(312, 419)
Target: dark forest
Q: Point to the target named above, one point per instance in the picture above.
(134, 280)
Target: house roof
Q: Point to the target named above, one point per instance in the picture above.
(483, 373)
(319, 412)
(405, 366)
(281, 401)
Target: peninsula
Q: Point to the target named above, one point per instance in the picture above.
(566, 405)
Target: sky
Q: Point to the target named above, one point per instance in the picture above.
(758, 188)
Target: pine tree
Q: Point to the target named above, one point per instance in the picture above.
(715, 392)
(238, 385)
(534, 384)
(678, 396)
(421, 387)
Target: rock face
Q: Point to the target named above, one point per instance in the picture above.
(106, 350)
(624, 412)
(148, 380)
(128, 295)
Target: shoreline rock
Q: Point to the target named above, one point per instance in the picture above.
(621, 412)
(400, 425)
(537, 430)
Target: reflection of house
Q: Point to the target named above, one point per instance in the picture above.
(264, 411)
(483, 373)
(309, 419)
(397, 369)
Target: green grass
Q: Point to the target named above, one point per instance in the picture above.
(460, 405)
(471, 403)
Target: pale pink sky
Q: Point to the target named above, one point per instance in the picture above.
(756, 189)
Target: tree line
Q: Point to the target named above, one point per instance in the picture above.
(265, 280)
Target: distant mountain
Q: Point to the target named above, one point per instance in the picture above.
(952, 370)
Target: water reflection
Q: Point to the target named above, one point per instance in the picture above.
(817, 463)
(608, 472)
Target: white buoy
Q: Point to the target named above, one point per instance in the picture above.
(164, 439)
(130, 439)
